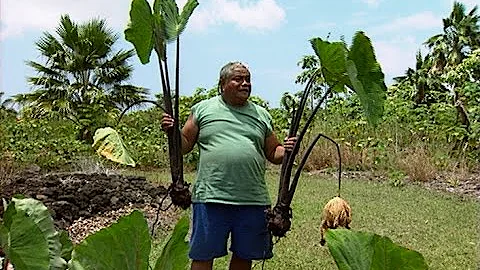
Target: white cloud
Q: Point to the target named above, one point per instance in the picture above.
(372, 3)
(396, 55)
(397, 42)
(245, 14)
(20, 16)
(419, 21)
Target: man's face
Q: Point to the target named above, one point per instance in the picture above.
(237, 87)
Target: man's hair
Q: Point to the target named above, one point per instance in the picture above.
(226, 71)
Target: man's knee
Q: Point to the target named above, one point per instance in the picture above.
(202, 265)
(237, 263)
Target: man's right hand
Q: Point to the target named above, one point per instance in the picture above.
(167, 121)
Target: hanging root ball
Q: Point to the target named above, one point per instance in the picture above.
(336, 213)
(279, 220)
(181, 195)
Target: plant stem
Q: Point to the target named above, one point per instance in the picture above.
(293, 186)
(286, 169)
(176, 125)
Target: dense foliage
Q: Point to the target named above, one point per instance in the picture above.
(431, 115)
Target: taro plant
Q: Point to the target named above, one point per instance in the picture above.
(368, 251)
(152, 29)
(28, 240)
(340, 69)
(355, 69)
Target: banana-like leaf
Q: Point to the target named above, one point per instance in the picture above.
(368, 251)
(33, 241)
(175, 253)
(124, 245)
(140, 30)
(367, 77)
(109, 144)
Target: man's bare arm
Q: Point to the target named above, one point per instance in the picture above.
(189, 131)
(189, 134)
(275, 151)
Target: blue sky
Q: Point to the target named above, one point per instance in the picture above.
(270, 36)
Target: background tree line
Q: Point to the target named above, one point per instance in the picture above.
(431, 117)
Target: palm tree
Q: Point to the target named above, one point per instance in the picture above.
(461, 35)
(82, 77)
(427, 88)
(5, 107)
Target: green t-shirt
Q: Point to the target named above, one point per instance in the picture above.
(231, 140)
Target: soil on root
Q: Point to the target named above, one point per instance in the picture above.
(78, 198)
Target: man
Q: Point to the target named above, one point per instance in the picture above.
(230, 197)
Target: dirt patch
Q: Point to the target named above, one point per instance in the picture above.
(84, 203)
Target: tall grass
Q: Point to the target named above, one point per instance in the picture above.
(443, 227)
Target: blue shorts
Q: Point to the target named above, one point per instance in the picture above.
(214, 222)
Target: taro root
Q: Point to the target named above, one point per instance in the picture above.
(279, 220)
(336, 213)
(180, 194)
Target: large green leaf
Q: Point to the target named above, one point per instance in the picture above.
(187, 11)
(42, 218)
(32, 240)
(160, 36)
(366, 77)
(356, 69)
(332, 58)
(67, 245)
(123, 245)
(140, 29)
(368, 251)
(169, 13)
(109, 144)
(175, 253)
(27, 247)
(174, 22)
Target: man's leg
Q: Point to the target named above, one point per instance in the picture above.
(237, 263)
(251, 239)
(210, 230)
(202, 265)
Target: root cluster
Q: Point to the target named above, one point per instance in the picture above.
(279, 220)
(181, 195)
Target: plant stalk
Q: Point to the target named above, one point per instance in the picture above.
(296, 177)
(286, 169)
(176, 125)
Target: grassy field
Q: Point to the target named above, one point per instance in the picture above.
(443, 227)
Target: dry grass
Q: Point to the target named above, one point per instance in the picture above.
(324, 155)
(417, 164)
(7, 167)
(456, 173)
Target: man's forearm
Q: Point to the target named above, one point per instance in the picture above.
(186, 145)
(278, 155)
